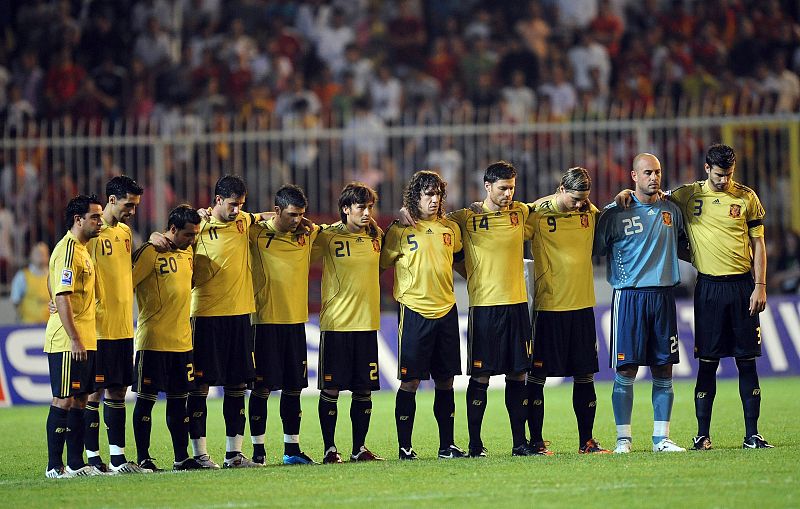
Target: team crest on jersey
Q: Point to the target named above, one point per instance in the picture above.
(66, 277)
(735, 211)
(620, 356)
(584, 220)
(301, 239)
(667, 218)
(447, 239)
(128, 245)
(240, 225)
(514, 218)
(477, 364)
(376, 245)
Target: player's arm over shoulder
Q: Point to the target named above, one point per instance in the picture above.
(143, 260)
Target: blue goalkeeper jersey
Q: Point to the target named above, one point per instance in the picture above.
(641, 244)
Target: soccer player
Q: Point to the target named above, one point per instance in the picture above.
(641, 244)
(725, 224)
(350, 318)
(70, 338)
(499, 323)
(29, 287)
(564, 337)
(163, 283)
(428, 334)
(281, 258)
(222, 301)
(111, 253)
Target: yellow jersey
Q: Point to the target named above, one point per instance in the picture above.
(720, 225)
(111, 254)
(72, 271)
(351, 297)
(223, 285)
(280, 273)
(33, 306)
(163, 283)
(423, 261)
(562, 256)
(493, 249)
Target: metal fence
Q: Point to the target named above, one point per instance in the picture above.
(178, 160)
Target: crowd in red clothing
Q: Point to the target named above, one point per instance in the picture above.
(409, 60)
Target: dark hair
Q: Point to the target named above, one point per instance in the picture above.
(290, 195)
(121, 186)
(720, 155)
(501, 170)
(420, 182)
(354, 193)
(577, 179)
(78, 206)
(182, 214)
(230, 185)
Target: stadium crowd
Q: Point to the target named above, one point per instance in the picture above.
(407, 61)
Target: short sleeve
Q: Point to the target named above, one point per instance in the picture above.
(391, 249)
(143, 260)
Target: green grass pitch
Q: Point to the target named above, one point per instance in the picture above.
(724, 477)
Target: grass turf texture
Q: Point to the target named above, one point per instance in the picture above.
(724, 477)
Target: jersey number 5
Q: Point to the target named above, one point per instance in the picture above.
(633, 225)
(413, 243)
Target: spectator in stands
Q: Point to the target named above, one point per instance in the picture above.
(359, 67)
(101, 38)
(449, 164)
(29, 292)
(480, 60)
(386, 95)
(153, 46)
(407, 36)
(287, 100)
(576, 14)
(7, 229)
(62, 84)
(787, 85)
(534, 31)
(18, 111)
(561, 94)
(212, 100)
(518, 58)
(421, 87)
(28, 77)
(588, 54)
(332, 40)
(607, 28)
(442, 64)
(519, 97)
(110, 79)
(343, 103)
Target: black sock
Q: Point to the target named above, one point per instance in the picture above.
(750, 393)
(476, 407)
(56, 435)
(143, 423)
(178, 425)
(257, 416)
(91, 431)
(233, 413)
(74, 439)
(291, 414)
(535, 389)
(444, 409)
(114, 419)
(517, 413)
(360, 412)
(584, 403)
(197, 410)
(405, 408)
(704, 392)
(327, 418)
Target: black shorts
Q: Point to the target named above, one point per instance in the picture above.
(70, 378)
(723, 326)
(499, 340)
(428, 347)
(280, 353)
(348, 361)
(564, 343)
(223, 350)
(114, 364)
(170, 372)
